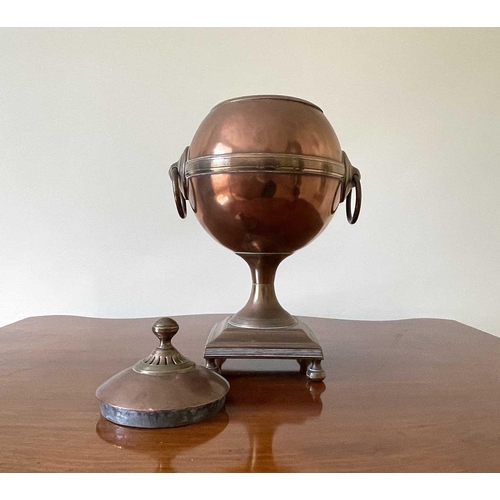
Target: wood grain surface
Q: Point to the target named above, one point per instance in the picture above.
(417, 395)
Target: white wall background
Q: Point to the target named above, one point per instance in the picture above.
(91, 119)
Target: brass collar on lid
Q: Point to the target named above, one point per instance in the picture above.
(165, 358)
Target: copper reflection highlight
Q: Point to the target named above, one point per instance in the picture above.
(264, 212)
(266, 124)
(162, 445)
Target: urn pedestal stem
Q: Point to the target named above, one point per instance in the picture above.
(263, 329)
(263, 309)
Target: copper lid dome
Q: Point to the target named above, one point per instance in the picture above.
(165, 389)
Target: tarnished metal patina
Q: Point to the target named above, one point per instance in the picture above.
(264, 176)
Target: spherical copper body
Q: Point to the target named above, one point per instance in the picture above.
(263, 173)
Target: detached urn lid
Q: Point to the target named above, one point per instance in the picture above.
(165, 389)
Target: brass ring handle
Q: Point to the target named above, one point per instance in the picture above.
(180, 201)
(352, 218)
(178, 177)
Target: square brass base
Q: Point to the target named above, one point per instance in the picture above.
(291, 342)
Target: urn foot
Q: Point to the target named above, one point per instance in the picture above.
(294, 342)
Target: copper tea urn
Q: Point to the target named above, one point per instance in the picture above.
(264, 176)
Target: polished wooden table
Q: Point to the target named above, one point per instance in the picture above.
(410, 396)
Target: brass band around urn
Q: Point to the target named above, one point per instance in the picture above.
(264, 176)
